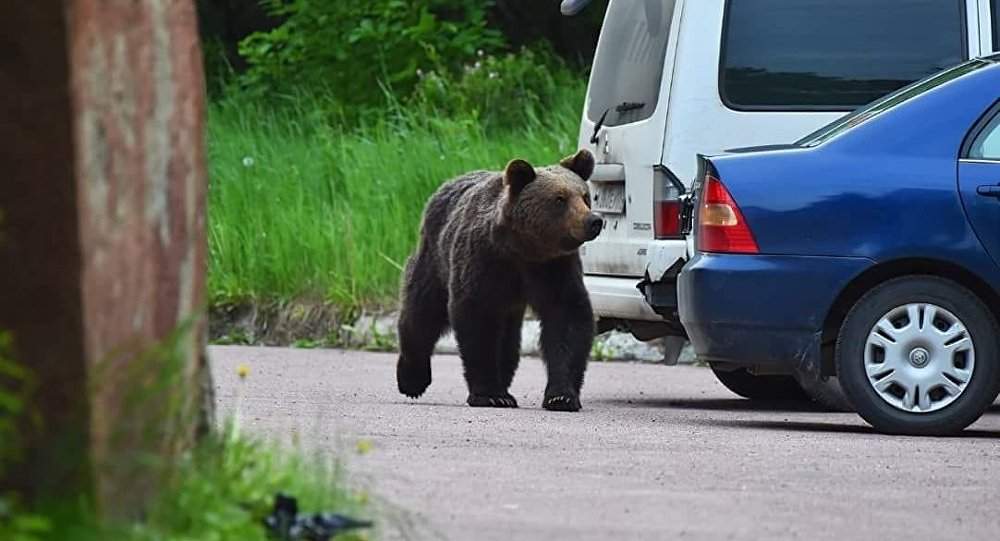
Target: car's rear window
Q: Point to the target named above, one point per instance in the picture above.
(889, 102)
(834, 55)
(987, 144)
(629, 61)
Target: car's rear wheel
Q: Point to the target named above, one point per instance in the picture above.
(740, 381)
(918, 355)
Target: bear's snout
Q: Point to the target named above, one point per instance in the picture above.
(592, 226)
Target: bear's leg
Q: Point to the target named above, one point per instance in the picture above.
(510, 347)
(567, 336)
(478, 344)
(566, 343)
(422, 320)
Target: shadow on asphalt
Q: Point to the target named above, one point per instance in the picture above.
(830, 428)
(714, 404)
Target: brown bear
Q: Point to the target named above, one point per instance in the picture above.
(492, 244)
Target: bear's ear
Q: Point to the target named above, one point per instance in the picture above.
(581, 163)
(517, 175)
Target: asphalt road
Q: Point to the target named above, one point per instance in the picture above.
(657, 453)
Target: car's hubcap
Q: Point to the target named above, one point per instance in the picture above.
(919, 357)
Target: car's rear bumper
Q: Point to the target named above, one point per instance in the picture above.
(762, 310)
(618, 297)
(652, 297)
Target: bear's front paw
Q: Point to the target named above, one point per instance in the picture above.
(567, 401)
(504, 400)
(412, 381)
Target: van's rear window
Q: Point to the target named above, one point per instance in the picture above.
(629, 62)
(996, 25)
(824, 55)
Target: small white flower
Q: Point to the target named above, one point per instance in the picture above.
(420, 73)
(480, 53)
(493, 75)
(478, 65)
(248, 161)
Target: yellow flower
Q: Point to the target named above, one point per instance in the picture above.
(364, 447)
(243, 371)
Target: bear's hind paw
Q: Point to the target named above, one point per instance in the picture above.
(501, 401)
(562, 402)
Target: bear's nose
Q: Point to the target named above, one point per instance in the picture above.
(593, 225)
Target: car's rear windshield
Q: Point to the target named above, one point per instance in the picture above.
(889, 102)
(629, 61)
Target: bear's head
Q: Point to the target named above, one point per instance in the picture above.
(547, 210)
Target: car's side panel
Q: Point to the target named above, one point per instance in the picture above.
(980, 187)
(885, 190)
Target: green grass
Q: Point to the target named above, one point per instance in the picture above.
(221, 491)
(301, 209)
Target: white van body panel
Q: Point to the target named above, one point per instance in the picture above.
(621, 248)
(690, 119)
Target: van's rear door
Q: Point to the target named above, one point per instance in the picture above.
(623, 125)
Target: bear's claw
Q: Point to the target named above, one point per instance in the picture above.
(562, 402)
(502, 401)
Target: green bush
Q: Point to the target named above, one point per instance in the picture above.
(15, 390)
(219, 491)
(351, 47)
(499, 91)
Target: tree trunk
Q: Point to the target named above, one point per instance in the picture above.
(102, 240)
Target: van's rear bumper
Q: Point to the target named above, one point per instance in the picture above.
(618, 298)
(652, 297)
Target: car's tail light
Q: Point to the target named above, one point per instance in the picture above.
(721, 226)
(667, 193)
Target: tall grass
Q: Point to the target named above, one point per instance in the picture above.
(301, 208)
(221, 490)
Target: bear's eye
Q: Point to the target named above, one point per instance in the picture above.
(586, 200)
(561, 199)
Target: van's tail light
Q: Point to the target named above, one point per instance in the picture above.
(721, 226)
(667, 193)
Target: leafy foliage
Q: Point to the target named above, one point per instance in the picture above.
(499, 91)
(220, 491)
(15, 389)
(350, 47)
(225, 488)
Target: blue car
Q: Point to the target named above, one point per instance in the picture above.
(867, 252)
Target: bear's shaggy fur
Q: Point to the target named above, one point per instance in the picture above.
(492, 244)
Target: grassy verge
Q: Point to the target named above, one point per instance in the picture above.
(221, 491)
(299, 208)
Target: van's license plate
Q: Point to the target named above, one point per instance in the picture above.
(608, 197)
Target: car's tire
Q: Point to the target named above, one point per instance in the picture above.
(952, 351)
(826, 392)
(747, 385)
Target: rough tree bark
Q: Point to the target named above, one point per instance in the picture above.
(102, 239)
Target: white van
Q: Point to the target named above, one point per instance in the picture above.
(676, 78)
